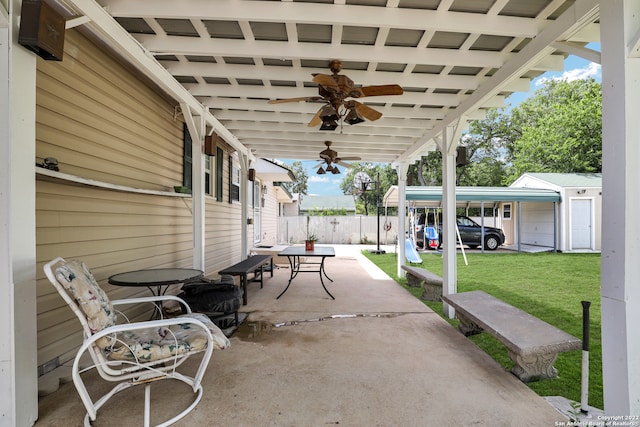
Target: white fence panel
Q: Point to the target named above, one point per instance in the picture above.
(338, 229)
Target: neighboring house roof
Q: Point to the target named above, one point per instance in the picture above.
(466, 196)
(283, 195)
(270, 171)
(562, 179)
(308, 203)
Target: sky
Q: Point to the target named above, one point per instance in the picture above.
(575, 68)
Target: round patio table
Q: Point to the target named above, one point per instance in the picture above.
(157, 280)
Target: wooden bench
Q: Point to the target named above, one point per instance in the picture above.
(532, 343)
(253, 264)
(431, 283)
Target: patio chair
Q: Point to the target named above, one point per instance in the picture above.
(137, 353)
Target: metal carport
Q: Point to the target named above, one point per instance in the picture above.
(467, 197)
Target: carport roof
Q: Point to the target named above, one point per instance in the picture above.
(432, 196)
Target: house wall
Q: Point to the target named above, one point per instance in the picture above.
(119, 143)
(269, 217)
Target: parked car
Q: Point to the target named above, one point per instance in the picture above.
(470, 233)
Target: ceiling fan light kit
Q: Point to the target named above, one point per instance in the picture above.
(329, 125)
(353, 118)
(330, 158)
(334, 90)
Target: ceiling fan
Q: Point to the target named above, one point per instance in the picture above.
(331, 159)
(334, 90)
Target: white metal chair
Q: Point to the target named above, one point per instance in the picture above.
(132, 353)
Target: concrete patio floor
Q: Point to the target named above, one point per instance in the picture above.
(374, 356)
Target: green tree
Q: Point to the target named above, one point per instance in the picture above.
(558, 129)
(486, 156)
(366, 201)
(299, 185)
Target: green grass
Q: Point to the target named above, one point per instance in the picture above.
(548, 286)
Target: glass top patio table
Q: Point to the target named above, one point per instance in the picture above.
(294, 253)
(155, 278)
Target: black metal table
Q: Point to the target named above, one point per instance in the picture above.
(157, 280)
(294, 253)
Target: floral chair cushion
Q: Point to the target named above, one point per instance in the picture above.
(78, 281)
(160, 343)
(142, 344)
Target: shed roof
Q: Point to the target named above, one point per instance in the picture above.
(566, 179)
(470, 196)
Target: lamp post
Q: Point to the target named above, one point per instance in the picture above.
(362, 182)
(378, 250)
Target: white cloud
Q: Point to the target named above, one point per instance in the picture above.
(592, 70)
(318, 178)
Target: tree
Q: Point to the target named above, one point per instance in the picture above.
(366, 201)
(486, 153)
(299, 185)
(558, 129)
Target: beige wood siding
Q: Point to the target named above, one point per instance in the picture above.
(104, 124)
(270, 217)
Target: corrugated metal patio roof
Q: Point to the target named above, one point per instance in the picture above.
(432, 196)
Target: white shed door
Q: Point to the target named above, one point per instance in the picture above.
(536, 224)
(581, 224)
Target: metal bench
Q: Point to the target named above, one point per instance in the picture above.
(532, 343)
(431, 283)
(253, 264)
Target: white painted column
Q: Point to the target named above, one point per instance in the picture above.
(401, 170)
(18, 353)
(620, 287)
(197, 129)
(244, 208)
(449, 218)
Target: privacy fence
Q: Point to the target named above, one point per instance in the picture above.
(338, 229)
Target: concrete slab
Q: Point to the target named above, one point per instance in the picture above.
(374, 356)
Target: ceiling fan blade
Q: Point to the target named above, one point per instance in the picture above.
(367, 112)
(302, 98)
(348, 158)
(343, 164)
(316, 121)
(378, 90)
(325, 80)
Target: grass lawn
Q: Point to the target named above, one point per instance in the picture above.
(548, 286)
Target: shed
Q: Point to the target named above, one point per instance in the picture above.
(579, 212)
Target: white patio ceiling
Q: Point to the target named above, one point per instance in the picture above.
(454, 59)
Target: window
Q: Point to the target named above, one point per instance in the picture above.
(257, 220)
(219, 173)
(208, 176)
(506, 211)
(213, 169)
(234, 181)
(187, 160)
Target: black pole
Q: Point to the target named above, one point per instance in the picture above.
(584, 398)
(585, 325)
(378, 251)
